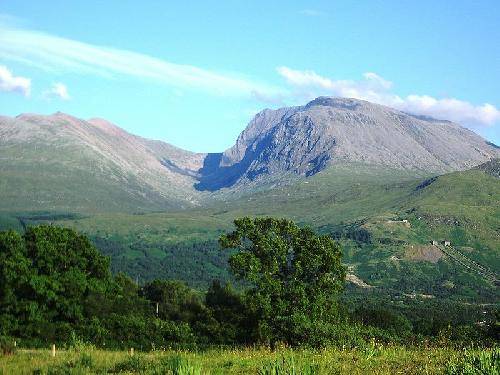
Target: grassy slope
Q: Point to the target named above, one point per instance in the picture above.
(36, 177)
(358, 204)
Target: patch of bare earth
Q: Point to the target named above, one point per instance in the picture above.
(357, 281)
(427, 253)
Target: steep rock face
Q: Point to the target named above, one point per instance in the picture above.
(258, 126)
(305, 140)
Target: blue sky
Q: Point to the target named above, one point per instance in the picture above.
(194, 73)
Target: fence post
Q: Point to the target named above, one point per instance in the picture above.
(131, 352)
(53, 350)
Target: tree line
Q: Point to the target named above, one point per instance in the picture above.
(55, 287)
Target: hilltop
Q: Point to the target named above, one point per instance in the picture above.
(59, 162)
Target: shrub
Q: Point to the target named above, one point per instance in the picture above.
(81, 366)
(7, 346)
(134, 364)
(77, 344)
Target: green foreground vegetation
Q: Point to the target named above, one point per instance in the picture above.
(201, 295)
(375, 359)
(289, 316)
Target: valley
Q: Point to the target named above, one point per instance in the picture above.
(383, 183)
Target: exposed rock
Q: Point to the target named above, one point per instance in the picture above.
(491, 167)
(304, 140)
(357, 281)
(277, 146)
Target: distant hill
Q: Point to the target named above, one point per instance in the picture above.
(384, 183)
(386, 220)
(59, 162)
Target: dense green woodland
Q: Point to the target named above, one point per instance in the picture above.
(56, 287)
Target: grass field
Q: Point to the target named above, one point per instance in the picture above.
(373, 360)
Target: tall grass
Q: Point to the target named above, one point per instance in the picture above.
(286, 365)
(475, 363)
(373, 359)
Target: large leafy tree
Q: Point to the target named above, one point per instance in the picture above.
(46, 276)
(294, 274)
(15, 270)
(233, 324)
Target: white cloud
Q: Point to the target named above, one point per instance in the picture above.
(58, 90)
(60, 55)
(377, 80)
(312, 12)
(11, 83)
(308, 84)
(452, 109)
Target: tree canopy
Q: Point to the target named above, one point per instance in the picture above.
(46, 275)
(294, 275)
(55, 287)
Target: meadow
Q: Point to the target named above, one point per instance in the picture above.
(374, 359)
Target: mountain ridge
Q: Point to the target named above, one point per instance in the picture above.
(306, 139)
(39, 150)
(137, 198)
(277, 146)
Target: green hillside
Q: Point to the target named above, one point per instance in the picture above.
(61, 163)
(386, 220)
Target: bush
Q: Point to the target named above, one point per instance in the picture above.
(7, 346)
(390, 321)
(134, 364)
(81, 366)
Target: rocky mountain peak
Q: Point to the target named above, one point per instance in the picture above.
(306, 139)
(301, 140)
(336, 102)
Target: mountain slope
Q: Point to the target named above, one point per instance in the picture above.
(59, 162)
(348, 168)
(305, 140)
(385, 220)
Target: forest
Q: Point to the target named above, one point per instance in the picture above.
(57, 289)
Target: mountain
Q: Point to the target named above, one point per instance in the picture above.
(62, 163)
(305, 140)
(384, 183)
(491, 167)
(59, 162)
